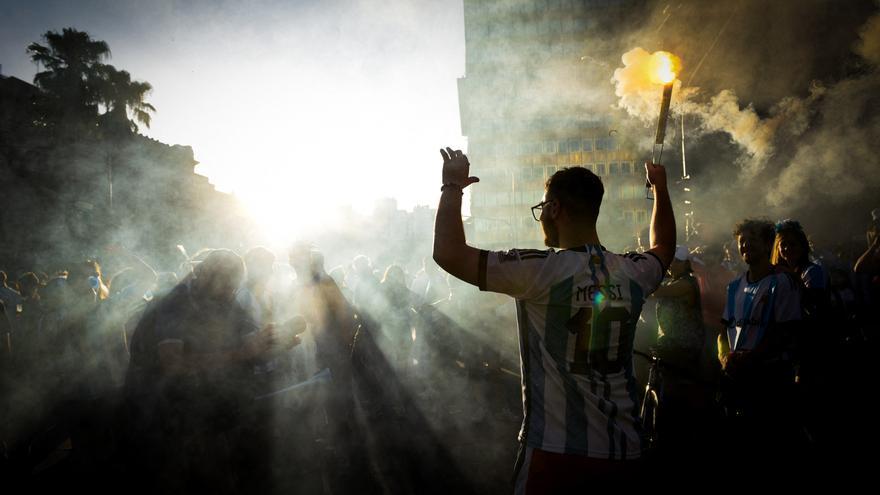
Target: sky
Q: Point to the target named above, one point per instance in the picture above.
(303, 107)
(298, 107)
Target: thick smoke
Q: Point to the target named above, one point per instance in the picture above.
(723, 112)
(803, 151)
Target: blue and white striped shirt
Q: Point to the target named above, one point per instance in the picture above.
(577, 312)
(752, 307)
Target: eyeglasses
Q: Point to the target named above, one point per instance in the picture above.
(538, 208)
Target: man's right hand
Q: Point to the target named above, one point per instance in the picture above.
(656, 174)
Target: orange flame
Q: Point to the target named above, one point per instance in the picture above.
(662, 67)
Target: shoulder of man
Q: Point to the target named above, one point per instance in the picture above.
(644, 268)
(737, 280)
(520, 254)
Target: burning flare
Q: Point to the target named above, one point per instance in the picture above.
(662, 67)
(637, 82)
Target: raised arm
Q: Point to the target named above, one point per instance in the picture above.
(869, 261)
(451, 251)
(662, 218)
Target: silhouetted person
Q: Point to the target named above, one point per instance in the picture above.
(332, 324)
(189, 380)
(687, 399)
(396, 316)
(578, 308)
(761, 318)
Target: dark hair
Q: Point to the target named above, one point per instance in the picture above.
(258, 255)
(763, 228)
(578, 190)
(222, 263)
(790, 227)
(84, 269)
(28, 282)
(394, 273)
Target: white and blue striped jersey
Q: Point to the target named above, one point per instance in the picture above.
(752, 307)
(577, 312)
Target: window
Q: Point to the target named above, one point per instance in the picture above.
(543, 27)
(613, 168)
(600, 169)
(628, 216)
(551, 169)
(563, 146)
(625, 168)
(549, 147)
(587, 145)
(574, 145)
(643, 216)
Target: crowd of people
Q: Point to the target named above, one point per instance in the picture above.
(237, 373)
(245, 373)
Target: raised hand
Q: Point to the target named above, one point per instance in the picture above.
(456, 168)
(656, 174)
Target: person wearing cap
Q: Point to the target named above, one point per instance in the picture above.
(679, 315)
(686, 399)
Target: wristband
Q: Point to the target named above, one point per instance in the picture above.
(452, 186)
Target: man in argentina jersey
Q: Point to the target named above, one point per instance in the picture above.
(758, 301)
(760, 320)
(577, 308)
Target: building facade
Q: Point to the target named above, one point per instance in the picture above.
(537, 97)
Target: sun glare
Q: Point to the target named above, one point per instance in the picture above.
(296, 163)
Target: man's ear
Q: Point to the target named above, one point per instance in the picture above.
(555, 210)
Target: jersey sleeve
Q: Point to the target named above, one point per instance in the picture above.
(517, 272)
(645, 269)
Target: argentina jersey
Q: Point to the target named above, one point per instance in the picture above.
(752, 307)
(577, 312)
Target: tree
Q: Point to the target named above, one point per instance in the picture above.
(79, 84)
(72, 75)
(121, 96)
